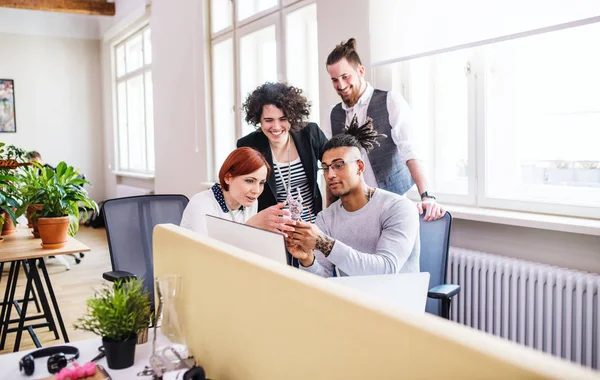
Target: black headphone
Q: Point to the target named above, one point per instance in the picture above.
(56, 361)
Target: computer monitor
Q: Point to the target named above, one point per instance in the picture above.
(264, 243)
(405, 290)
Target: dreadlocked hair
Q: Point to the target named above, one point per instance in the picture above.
(358, 136)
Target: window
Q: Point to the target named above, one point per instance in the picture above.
(511, 125)
(134, 105)
(253, 42)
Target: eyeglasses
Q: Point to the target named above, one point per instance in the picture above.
(336, 165)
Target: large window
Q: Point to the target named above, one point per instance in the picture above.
(253, 42)
(511, 125)
(134, 110)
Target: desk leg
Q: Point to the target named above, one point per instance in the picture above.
(54, 303)
(6, 293)
(35, 274)
(34, 298)
(23, 314)
(15, 268)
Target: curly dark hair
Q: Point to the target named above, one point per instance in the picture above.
(287, 98)
(363, 136)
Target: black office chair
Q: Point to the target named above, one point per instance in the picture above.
(129, 224)
(435, 242)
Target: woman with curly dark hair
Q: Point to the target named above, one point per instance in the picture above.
(291, 146)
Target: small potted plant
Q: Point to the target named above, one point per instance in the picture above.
(61, 192)
(116, 313)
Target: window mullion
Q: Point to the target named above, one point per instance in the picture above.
(477, 139)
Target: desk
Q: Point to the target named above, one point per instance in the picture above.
(88, 349)
(19, 249)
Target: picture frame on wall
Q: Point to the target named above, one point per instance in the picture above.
(8, 121)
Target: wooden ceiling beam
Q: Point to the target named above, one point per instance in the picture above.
(86, 7)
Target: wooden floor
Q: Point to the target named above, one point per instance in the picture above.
(72, 288)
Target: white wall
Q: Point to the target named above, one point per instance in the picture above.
(563, 249)
(408, 27)
(180, 89)
(24, 21)
(128, 15)
(58, 100)
(124, 9)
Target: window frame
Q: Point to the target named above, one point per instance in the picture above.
(477, 150)
(138, 28)
(275, 15)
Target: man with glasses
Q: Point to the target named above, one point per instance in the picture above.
(367, 230)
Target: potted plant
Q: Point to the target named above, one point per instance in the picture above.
(116, 313)
(61, 192)
(31, 186)
(10, 199)
(8, 203)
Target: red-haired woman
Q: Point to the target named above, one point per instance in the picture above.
(241, 180)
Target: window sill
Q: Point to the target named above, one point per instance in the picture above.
(524, 219)
(133, 175)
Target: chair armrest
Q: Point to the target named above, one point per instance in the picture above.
(444, 291)
(115, 275)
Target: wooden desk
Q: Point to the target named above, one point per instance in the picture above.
(22, 246)
(19, 249)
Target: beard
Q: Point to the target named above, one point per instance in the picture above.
(352, 98)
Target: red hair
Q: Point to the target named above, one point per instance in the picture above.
(242, 161)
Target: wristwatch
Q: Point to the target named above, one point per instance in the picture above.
(427, 195)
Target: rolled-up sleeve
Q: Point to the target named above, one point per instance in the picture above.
(401, 120)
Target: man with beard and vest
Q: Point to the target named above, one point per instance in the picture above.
(392, 166)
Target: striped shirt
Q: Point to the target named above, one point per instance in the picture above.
(298, 181)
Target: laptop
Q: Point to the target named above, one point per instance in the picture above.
(261, 242)
(405, 290)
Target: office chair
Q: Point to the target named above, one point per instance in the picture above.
(435, 242)
(129, 224)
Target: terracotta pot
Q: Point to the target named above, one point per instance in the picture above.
(53, 231)
(31, 211)
(9, 227)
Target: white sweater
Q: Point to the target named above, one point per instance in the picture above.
(380, 238)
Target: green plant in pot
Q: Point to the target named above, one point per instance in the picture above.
(61, 192)
(116, 313)
(10, 198)
(31, 192)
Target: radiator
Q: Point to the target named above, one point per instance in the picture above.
(130, 191)
(552, 309)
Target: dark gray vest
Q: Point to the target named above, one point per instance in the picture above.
(390, 172)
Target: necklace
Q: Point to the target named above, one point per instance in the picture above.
(288, 188)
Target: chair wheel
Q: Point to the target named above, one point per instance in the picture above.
(77, 261)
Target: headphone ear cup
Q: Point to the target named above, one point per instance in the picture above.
(57, 362)
(27, 364)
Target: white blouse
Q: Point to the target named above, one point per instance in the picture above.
(212, 202)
